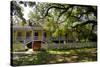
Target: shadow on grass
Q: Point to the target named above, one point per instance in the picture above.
(44, 57)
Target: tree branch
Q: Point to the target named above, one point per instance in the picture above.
(56, 7)
(87, 22)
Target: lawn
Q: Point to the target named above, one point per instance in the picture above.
(56, 56)
(16, 47)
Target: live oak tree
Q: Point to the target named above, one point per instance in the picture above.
(77, 22)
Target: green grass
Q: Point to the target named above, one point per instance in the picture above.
(50, 56)
(57, 56)
(16, 47)
(58, 52)
(69, 51)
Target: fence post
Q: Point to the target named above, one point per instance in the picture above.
(24, 44)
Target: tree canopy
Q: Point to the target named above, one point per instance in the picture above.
(79, 21)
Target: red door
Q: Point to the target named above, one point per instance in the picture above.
(36, 45)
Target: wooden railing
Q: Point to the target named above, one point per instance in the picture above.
(29, 39)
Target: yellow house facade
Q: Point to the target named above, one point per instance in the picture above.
(33, 36)
(28, 33)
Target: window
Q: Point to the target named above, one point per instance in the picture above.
(19, 34)
(36, 34)
(44, 34)
(28, 34)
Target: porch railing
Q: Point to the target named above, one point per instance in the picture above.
(38, 38)
(35, 38)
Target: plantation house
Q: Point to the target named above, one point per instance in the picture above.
(28, 34)
(34, 36)
(22, 33)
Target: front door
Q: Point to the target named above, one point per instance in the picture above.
(36, 45)
(36, 34)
